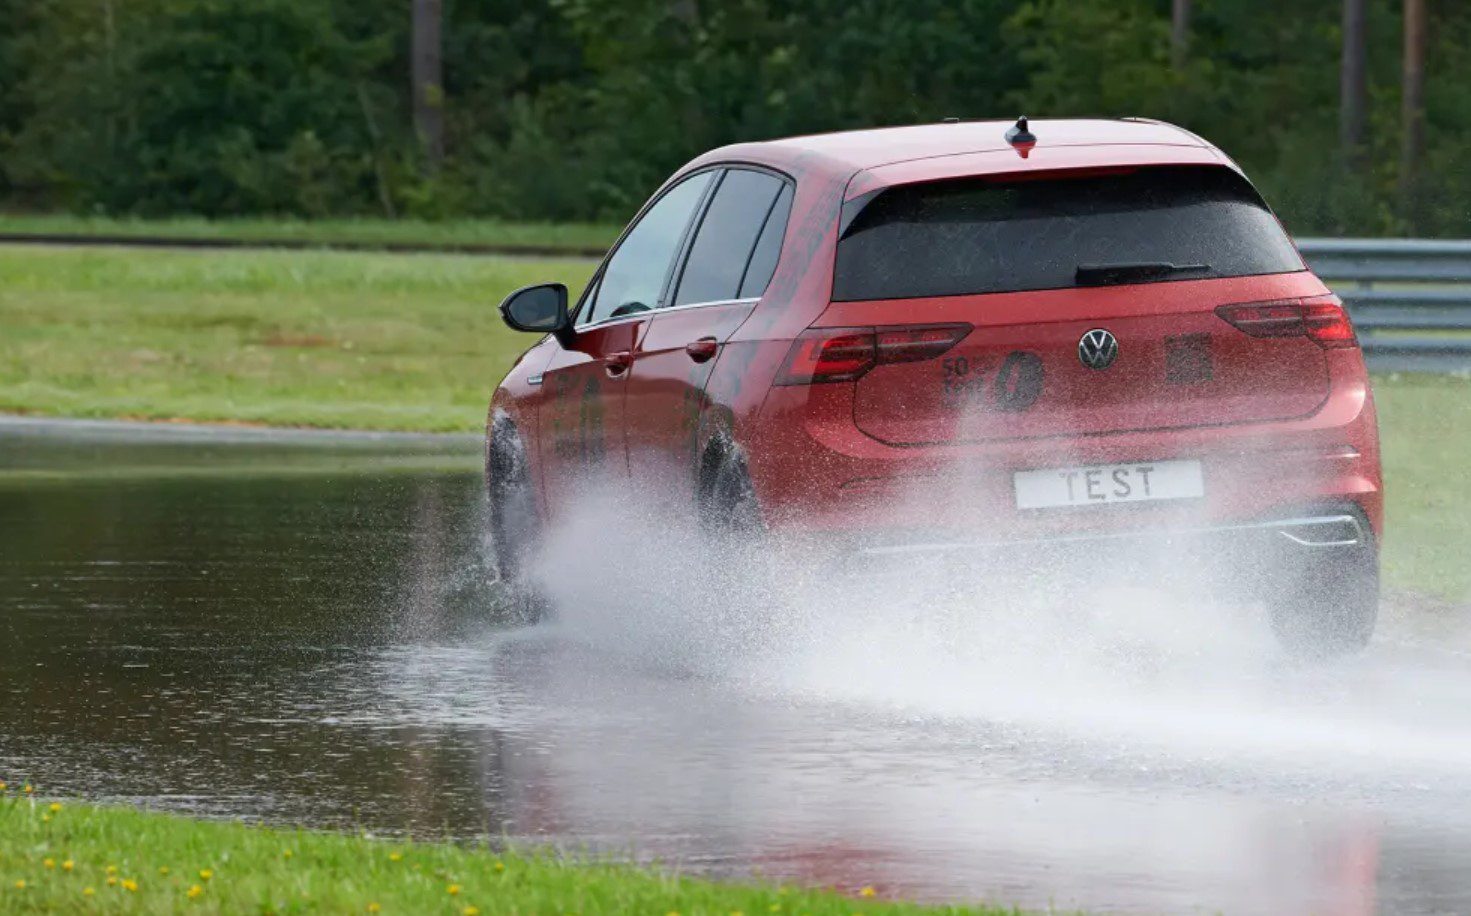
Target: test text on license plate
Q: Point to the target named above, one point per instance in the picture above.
(1108, 483)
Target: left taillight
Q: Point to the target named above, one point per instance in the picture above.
(843, 354)
(1322, 319)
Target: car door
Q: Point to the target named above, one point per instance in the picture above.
(581, 432)
(730, 258)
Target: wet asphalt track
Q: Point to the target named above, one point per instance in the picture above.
(280, 630)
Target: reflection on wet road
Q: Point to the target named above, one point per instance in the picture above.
(309, 635)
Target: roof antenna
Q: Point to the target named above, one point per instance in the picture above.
(1019, 135)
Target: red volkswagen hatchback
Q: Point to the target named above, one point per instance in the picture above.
(965, 339)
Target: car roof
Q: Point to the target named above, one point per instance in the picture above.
(859, 150)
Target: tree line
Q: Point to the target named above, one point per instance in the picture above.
(1353, 115)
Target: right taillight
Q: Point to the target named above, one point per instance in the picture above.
(1321, 319)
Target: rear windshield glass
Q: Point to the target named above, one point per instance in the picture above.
(974, 235)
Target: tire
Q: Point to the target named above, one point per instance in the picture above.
(728, 507)
(1329, 608)
(514, 524)
(744, 614)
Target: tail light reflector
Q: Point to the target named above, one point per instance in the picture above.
(910, 345)
(844, 354)
(1321, 319)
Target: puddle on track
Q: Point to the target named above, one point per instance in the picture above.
(307, 636)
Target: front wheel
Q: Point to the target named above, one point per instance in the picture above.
(1329, 608)
(514, 525)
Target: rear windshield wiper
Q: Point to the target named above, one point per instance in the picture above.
(1109, 274)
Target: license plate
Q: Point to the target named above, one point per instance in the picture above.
(1140, 481)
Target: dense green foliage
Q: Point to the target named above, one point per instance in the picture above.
(576, 109)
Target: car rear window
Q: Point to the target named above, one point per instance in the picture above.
(992, 235)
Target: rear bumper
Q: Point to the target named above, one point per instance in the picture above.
(1328, 532)
(816, 472)
(1238, 561)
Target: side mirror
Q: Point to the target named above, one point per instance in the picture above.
(540, 309)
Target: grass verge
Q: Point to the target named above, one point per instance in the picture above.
(1425, 430)
(414, 342)
(575, 238)
(291, 338)
(63, 858)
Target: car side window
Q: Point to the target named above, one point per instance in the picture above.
(726, 236)
(634, 276)
(768, 247)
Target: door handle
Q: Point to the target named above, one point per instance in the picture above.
(703, 349)
(618, 363)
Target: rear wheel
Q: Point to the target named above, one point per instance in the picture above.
(743, 613)
(728, 507)
(1330, 607)
(515, 526)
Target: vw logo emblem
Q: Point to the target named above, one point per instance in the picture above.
(1098, 349)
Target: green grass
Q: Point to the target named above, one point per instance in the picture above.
(137, 862)
(1425, 428)
(571, 237)
(295, 338)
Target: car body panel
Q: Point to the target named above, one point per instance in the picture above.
(582, 413)
(666, 394)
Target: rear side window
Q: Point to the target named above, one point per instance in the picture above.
(978, 235)
(768, 247)
(727, 234)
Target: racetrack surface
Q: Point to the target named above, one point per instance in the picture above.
(311, 637)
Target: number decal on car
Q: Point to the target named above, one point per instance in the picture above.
(1019, 381)
(1015, 386)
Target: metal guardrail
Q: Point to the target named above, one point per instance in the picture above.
(1410, 299)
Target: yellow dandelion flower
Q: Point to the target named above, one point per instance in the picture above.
(112, 869)
(49, 863)
(27, 789)
(206, 873)
(470, 911)
(163, 869)
(500, 866)
(373, 908)
(194, 891)
(45, 818)
(20, 885)
(68, 865)
(285, 853)
(395, 856)
(54, 807)
(867, 892)
(3, 787)
(736, 913)
(112, 880)
(87, 892)
(672, 913)
(129, 884)
(452, 890)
